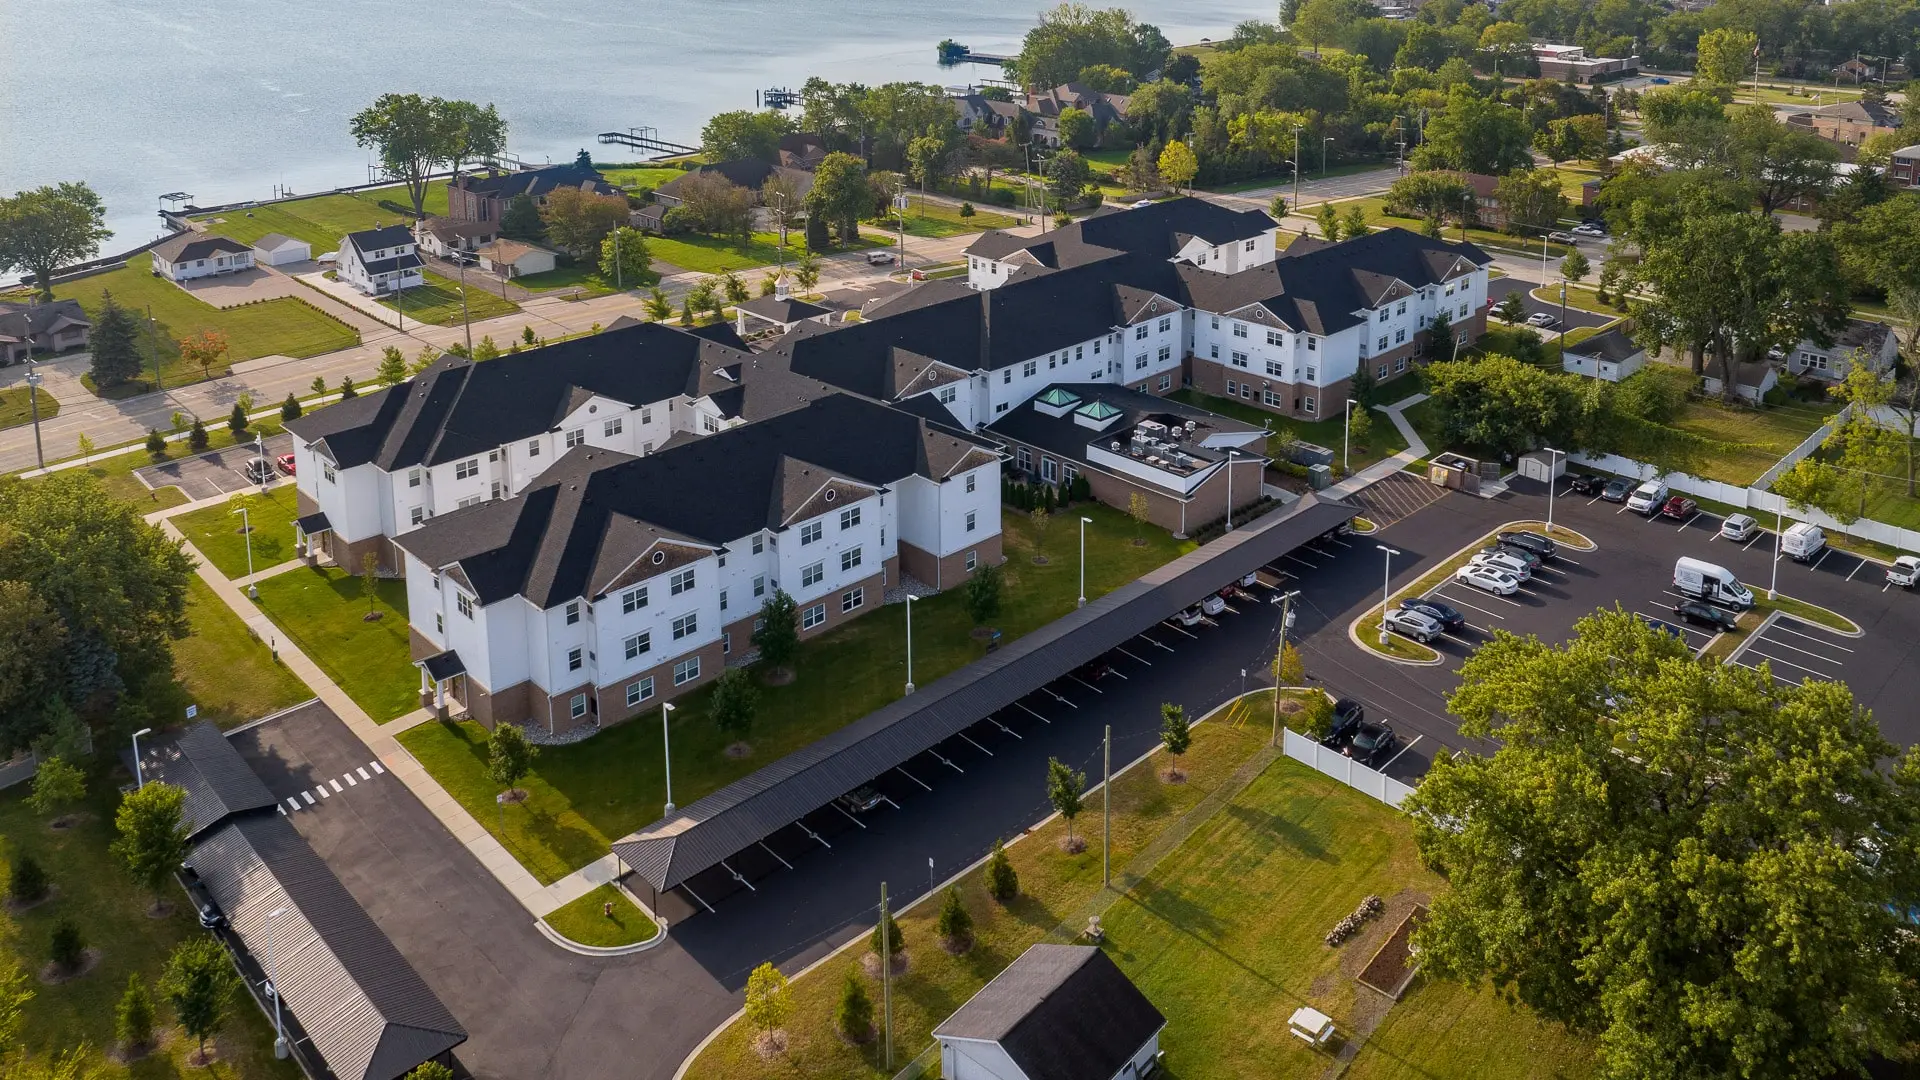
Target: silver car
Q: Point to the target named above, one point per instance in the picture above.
(1738, 528)
(1416, 625)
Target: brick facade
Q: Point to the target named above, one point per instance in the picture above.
(945, 573)
(1249, 387)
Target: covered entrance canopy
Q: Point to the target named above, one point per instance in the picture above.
(695, 838)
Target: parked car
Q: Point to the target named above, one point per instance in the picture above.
(1410, 623)
(1703, 580)
(1504, 562)
(1803, 541)
(1347, 714)
(1589, 228)
(860, 800)
(1905, 571)
(1617, 489)
(1542, 319)
(1486, 577)
(259, 470)
(210, 917)
(1529, 559)
(879, 258)
(1213, 605)
(1373, 743)
(1533, 542)
(1192, 616)
(1679, 508)
(1585, 484)
(1446, 615)
(1560, 237)
(1738, 527)
(1703, 614)
(1648, 498)
(1093, 671)
(285, 462)
(1658, 81)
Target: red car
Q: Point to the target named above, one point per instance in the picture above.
(1679, 508)
(285, 461)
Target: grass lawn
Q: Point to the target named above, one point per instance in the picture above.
(578, 276)
(638, 176)
(1224, 935)
(584, 796)
(1894, 507)
(215, 530)
(284, 326)
(1383, 441)
(322, 611)
(96, 893)
(1054, 890)
(715, 255)
(934, 220)
(438, 302)
(1578, 296)
(583, 923)
(321, 220)
(1753, 439)
(15, 408)
(224, 669)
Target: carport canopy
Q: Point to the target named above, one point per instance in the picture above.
(697, 837)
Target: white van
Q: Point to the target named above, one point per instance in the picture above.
(1648, 498)
(1802, 541)
(1707, 581)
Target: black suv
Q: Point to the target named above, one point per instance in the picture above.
(1585, 484)
(1703, 614)
(1348, 715)
(1373, 742)
(1446, 615)
(1617, 489)
(1526, 541)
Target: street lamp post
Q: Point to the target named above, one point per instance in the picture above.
(139, 774)
(466, 321)
(280, 1047)
(1386, 589)
(1323, 156)
(1296, 166)
(1551, 458)
(1084, 522)
(1346, 440)
(909, 643)
(1231, 454)
(1773, 586)
(246, 530)
(666, 749)
(33, 402)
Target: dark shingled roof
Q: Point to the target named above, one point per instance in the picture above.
(188, 246)
(458, 408)
(537, 182)
(672, 850)
(218, 781)
(363, 1007)
(1061, 1012)
(593, 513)
(783, 310)
(1158, 230)
(387, 236)
(1614, 346)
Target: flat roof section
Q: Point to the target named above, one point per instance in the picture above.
(697, 837)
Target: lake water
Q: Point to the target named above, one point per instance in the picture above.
(227, 98)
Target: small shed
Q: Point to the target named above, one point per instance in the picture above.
(515, 258)
(1611, 356)
(1059, 1012)
(1751, 380)
(274, 249)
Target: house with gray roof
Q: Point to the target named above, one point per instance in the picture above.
(1861, 341)
(52, 326)
(189, 255)
(380, 261)
(1058, 1012)
(1611, 356)
(613, 582)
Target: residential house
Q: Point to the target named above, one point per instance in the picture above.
(515, 258)
(1855, 71)
(1849, 122)
(1570, 63)
(800, 150)
(1871, 343)
(380, 261)
(274, 249)
(54, 326)
(749, 173)
(1058, 1012)
(459, 433)
(1125, 442)
(1044, 107)
(1751, 380)
(484, 198)
(1611, 356)
(1486, 199)
(984, 116)
(189, 255)
(445, 237)
(614, 583)
(1904, 167)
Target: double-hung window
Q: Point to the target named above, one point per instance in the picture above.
(686, 625)
(633, 600)
(813, 616)
(849, 517)
(813, 574)
(576, 437)
(686, 671)
(852, 599)
(466, 469)
(638, 692)
(612, 427)
(849, 559)
(810, 532)
(639, 644)
(680, 582)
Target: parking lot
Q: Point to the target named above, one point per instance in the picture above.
(216, 472)
(1632, 567)
(1498, 289)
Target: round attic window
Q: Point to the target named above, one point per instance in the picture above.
(831, 494)
(659, 557)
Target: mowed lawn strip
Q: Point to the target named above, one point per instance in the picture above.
(1053, 888)
(584, 796)
(18, 402)
(221, 667)
(321, 220)
(938, 220)
(584, 921)
(1754, 438)
(438, 302)
(96, 893)
(323, 611)
(216, 530)
(1225, 935)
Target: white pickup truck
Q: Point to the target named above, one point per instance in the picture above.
(1905, 571)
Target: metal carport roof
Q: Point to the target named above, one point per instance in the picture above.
(672, 850)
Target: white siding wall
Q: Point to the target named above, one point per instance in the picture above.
(1142, 344)
(1088, 361)
(877, 513)
(612, 624)
(966, 1059)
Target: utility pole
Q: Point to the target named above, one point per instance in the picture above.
(619, 284)
(1296, 188)
(886, 980)
(1106, 809)
(1286, 613)
(466, 321)
(153, 335)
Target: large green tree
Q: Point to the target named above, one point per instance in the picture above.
(153, 834)
(743, 134)
(839, 195)
(415, 135)
(1475, 134)
(115, 343)
(1726, 55)
(200, 983)
(1431, 195)
(1502, 404)
(50, 227)
(1072, 37)
(1707, 866)
(1777, 162)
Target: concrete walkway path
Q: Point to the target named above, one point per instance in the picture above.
(1380, 470)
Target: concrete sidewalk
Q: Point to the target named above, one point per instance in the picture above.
(1380, 470)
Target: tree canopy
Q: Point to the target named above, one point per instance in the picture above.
(49, 227)
(742, 134)
(415, 135)
(1072, 38)
(1708, 867)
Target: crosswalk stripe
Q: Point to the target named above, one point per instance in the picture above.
(324, 793)
(336, 786)
(351, 782)
(307, 795)
(293, 802)
(362, 770)
(375, 766)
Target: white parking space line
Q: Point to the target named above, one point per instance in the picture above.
(375, 766)
(1821, 559)
(1856, 569)
(975, 745)
(1085, 683)
(911, 777)
(1033, 714)
(1754, 650)
(1178, 629)
(1689, 520)
(1781, 678)
(362, 770)
(1302, 562)
(1404, 749)
(1825, 643)
(307, 795)
(1130, 656)
(1156, 644)
(1773, 643)
(1451, 599)
(1755, 540)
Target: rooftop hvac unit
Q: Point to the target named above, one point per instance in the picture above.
(1116, 445)
(1190, 426)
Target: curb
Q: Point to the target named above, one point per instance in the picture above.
(573, 946)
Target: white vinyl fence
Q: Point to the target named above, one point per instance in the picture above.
(1346, 770)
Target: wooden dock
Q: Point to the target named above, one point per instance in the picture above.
(648, 139)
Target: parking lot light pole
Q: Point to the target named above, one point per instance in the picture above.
(33, 403)
(1551, 458)
(1773, 592)
(1084, 522)
(139, 775)
(1346, 439)
(666, 749)
(1386, 589)
(280, 1047)
(1231, 454)
(909, 643)
(246, 529)
(1286, 613)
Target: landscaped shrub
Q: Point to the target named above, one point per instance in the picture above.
(1003, 882)
(28, 880)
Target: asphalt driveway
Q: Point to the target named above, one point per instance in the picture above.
(1498, 288)
(216, 472)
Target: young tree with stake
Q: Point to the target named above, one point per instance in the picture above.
(982, 594)
(767, 1006)
(733, 702)
(1176, 735)
(854, 1015)
(1003, 882)
(509, 758)
(778, 637)
(1064, 790)
(954, 925)
(133, 1017)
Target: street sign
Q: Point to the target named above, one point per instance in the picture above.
(193, 711)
